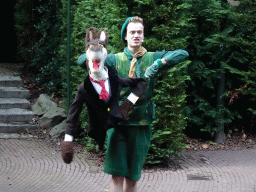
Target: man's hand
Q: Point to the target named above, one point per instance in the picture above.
(67, 151)
(125, 108)
(152, 70)
(164, 61)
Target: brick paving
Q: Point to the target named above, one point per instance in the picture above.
(29, 165)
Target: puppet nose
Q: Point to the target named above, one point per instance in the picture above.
(96, 49)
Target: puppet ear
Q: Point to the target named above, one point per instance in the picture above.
(103, 36)
(90, 35)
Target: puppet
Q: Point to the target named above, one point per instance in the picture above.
(100, 91)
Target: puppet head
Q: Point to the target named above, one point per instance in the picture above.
(96, 52)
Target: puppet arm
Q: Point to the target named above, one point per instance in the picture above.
(67, 146)
(138, 87)
(175, 57)
(133, 98)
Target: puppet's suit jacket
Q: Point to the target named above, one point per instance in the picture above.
(102, 114)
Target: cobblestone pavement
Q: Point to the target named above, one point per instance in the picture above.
(29, 165)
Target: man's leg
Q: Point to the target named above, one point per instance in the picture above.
(116, 184)
(130, 186)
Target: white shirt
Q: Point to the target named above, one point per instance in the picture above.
(98, 88)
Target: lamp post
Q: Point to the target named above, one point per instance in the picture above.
(68, 54)
(220, 135)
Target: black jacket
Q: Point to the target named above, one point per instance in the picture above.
(102, 114)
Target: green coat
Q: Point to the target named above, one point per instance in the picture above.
(144, 111)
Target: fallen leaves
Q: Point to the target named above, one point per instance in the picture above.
(205, 146)
(235, 141)
(244, 137)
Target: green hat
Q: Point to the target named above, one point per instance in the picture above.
(123, 30)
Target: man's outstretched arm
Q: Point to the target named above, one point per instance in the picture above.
(166, 60)
(82, 61)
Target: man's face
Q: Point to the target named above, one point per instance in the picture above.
(135, 34)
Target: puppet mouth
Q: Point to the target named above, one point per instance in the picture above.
(96, 64)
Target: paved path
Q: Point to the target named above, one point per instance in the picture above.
(29, 165)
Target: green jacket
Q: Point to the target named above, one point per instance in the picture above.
(144, 111)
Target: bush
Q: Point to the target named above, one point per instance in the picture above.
(166, 134)
(170, 100)
(38, 28)
(162, 32)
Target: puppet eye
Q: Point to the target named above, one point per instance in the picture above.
(89, 44)
(102, 43)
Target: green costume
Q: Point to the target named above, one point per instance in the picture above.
(128, 144)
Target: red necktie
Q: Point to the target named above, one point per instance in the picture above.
(103, 94)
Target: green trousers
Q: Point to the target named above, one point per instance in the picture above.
(127, 148)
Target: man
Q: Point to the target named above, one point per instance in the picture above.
(128, 144)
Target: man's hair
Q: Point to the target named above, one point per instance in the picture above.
(136, 19)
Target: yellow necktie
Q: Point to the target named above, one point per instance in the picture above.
(140, 53)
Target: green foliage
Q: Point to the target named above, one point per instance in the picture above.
(241, 63)
(167, 129)
(247, 35)
(38, 27)
(89, 13)
(24, 26)
(216, 39)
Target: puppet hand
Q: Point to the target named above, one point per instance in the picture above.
(125, 108)
(67, 151)
(152, 70)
